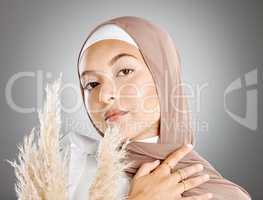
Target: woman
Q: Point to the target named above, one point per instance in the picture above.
(131, 67)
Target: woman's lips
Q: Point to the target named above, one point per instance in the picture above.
(115, 116)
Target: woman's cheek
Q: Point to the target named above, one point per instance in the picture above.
(149, 99)
(89, 102)
(129, 97)
(94, 109)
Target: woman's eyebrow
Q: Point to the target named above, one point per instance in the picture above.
(111, 62)
(118, 56)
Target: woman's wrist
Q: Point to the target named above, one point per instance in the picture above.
(135, 197)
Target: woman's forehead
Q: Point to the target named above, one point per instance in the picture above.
(110, 46)
(107, 52)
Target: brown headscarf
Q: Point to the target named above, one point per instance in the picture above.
(161, 56)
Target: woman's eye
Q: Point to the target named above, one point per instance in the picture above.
(89, 86)
(125, 71)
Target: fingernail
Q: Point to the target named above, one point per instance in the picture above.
(200, 166)
(206, 177)
(210, 195)
(189, 146)
(157, 162)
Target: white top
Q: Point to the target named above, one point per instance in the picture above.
(153, 139)
(83, 165)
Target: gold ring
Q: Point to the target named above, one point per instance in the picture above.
(184, 185)
(171, 168)
(180, 174)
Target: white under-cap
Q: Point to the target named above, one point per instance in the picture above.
(108, 31)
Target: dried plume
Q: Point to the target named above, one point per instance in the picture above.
(42, 170)
(112, 162)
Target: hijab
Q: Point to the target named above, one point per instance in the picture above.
(162, 58)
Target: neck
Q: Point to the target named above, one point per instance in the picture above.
(148, 133)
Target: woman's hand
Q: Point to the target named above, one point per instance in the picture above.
(156, 184)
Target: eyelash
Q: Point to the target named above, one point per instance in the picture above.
(86, 86)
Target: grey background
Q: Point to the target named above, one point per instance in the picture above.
(219, 41)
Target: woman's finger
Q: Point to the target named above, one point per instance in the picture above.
(186, 172)
(146, 168)
(199, 197)
(174, 158)
(192, 183)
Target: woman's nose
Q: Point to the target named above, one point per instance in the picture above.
(107, 94)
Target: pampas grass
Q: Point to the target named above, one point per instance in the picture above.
(41, 171)
(112, 162)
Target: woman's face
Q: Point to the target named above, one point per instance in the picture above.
(114, 68)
